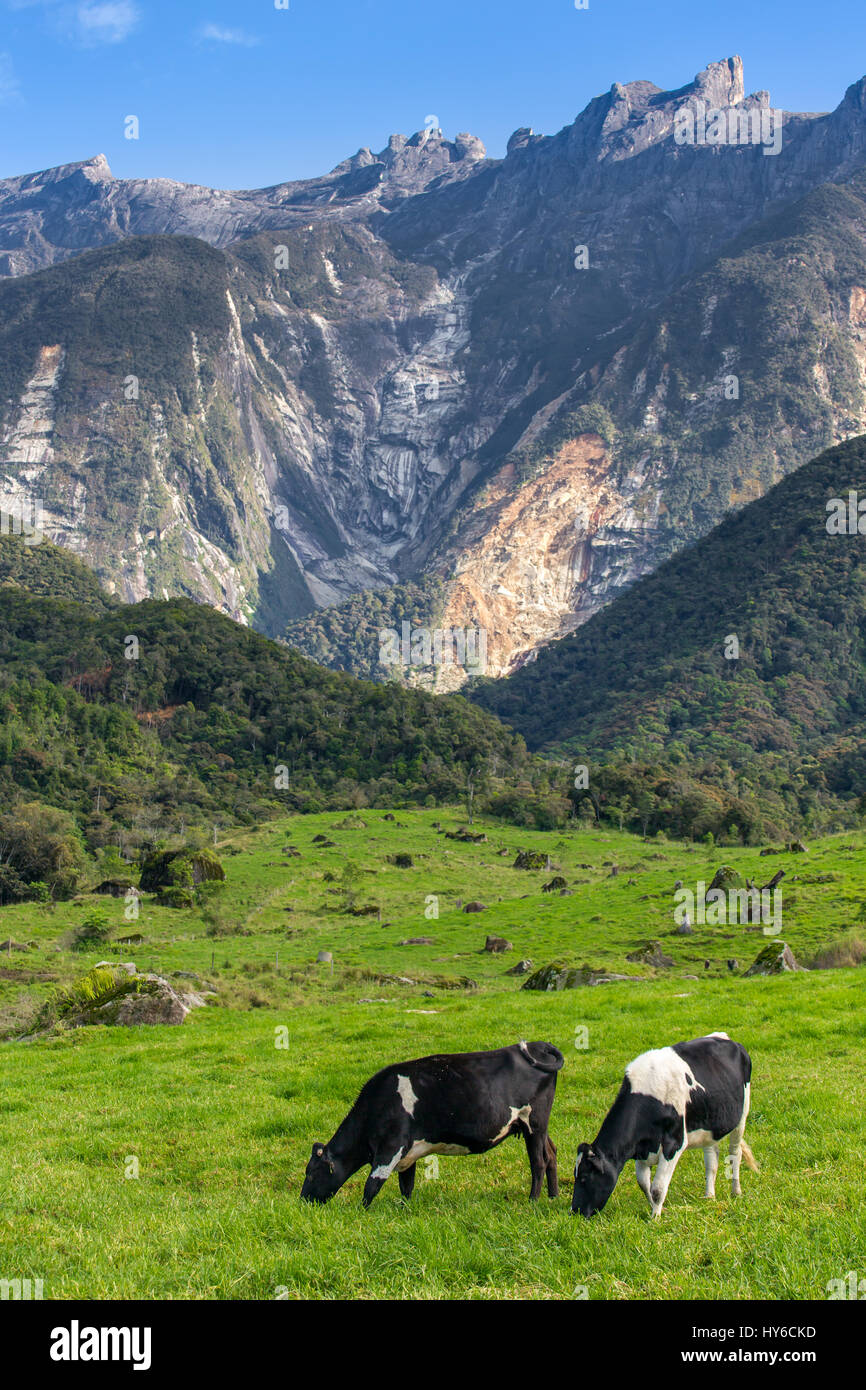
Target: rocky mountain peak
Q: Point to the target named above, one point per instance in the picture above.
(720, 84)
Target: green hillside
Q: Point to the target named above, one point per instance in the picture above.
(151, 719)
(647, 681)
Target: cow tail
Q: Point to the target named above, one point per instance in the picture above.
(748, 1156)
(551, 1059)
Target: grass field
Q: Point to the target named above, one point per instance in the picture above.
(220, 1113)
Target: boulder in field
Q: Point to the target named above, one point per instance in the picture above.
(497, 945)
(180, 869)
(475, 907)
(522, 967)
(417, 941)
(531, 859)
(775, 959)
(651, 953)
(558, 976)
(117, 996)
(726, 878)
(115, 887)
(556, 884)
(401, 861)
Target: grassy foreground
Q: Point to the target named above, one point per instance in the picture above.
(217, 1116)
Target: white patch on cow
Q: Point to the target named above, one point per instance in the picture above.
(421, 1148)
(386, 1169)
(663, 1075)
(407, 1095)
(699, 1138)
(523, 1115)
(523, 1048)
(717, 1035)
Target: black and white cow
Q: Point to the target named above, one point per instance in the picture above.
(687, 1096)
(451, 1103)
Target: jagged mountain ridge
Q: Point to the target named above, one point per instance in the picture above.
(431, 387)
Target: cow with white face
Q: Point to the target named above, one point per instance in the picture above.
(675, 1098)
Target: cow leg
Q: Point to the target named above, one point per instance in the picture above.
(711, 1167)
(380, 1172)
(735, 1139)
(406, 1180)
(643, 1172)
(662, 1180)
(552, 1173)
(536, 1149)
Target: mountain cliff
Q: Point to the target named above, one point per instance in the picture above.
(740, 660)
(516, 385)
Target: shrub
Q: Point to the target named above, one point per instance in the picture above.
(93, 932)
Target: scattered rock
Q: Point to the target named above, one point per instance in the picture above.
(418, 941)
(733, 964)
(118, 996)
(116, 887)
(10, 945)
(651, 953)
(497, 945)
(775, 959)
(401, 861)
(468, 837)
(556, 977)
(678, 885)
(554, 885)
(797, 847)
(522, 967)
(475, 907)
(685, 929)
(181, 868)
(726, 878)
(531, 859)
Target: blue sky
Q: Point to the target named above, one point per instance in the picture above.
(246, 94)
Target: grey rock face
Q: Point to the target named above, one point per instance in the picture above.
(403, 398)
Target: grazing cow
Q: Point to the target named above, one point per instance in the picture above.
(674, 1098)
(451, 1103)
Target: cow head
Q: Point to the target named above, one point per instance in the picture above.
(325, 1175)
(594, 1180)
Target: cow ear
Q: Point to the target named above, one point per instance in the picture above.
(318, 1150)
